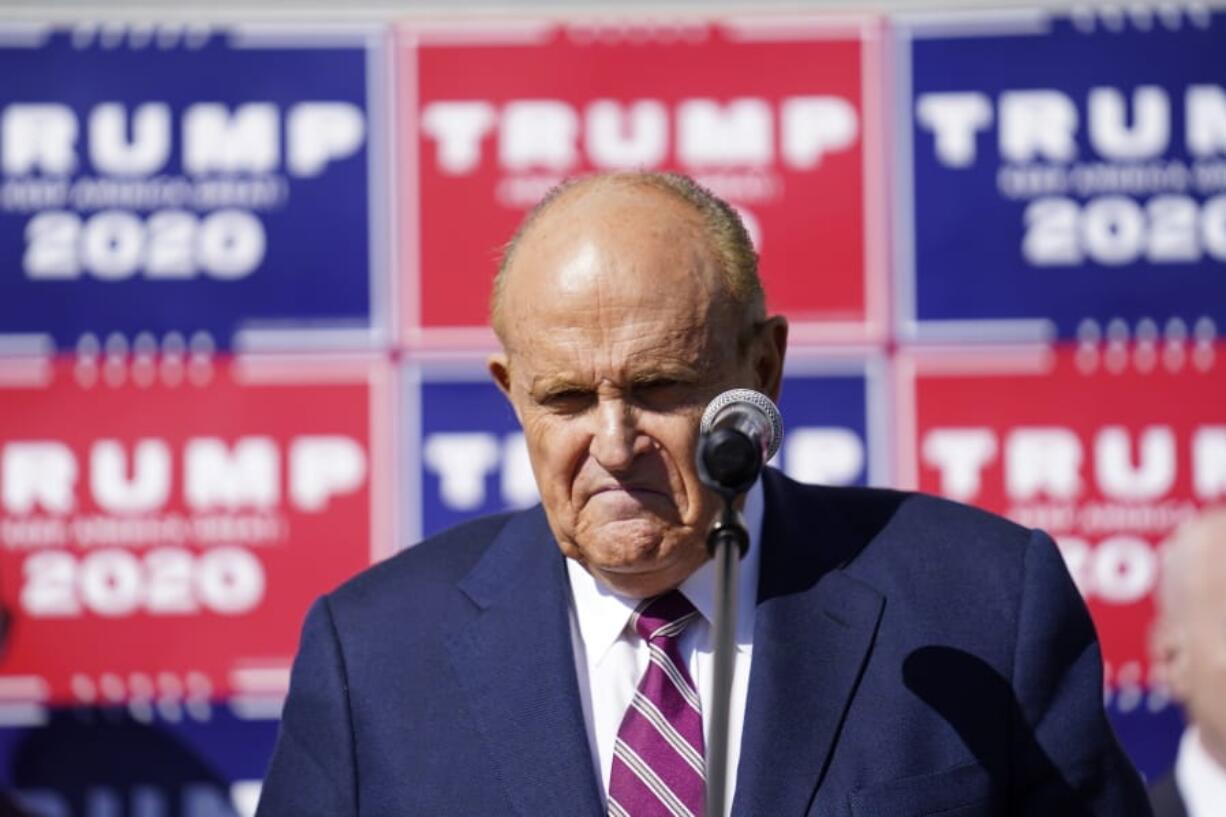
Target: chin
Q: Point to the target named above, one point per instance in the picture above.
(626, 549)
(623, 546)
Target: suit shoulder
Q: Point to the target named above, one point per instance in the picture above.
(435, 564)
(930, 519)
(905, 528)
(927, 549)
(940, 518)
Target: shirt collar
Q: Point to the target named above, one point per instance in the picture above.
(1201, 780)
(602, 615)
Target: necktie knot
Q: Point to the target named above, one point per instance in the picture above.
(663, 617)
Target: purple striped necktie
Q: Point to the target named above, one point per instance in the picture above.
(658, 766)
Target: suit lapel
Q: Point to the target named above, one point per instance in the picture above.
(813, 632)
(515, 662)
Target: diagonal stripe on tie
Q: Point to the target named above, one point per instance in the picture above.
(658, 766)
(648, 777)
(679, 681)
(616, 809)
(669, 732)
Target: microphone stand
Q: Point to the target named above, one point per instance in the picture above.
(727, 542)
(740, 431)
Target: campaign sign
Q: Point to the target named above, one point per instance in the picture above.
(778, 115)
(1108, 449)
(467, 454)
(1046, 175)
(1148, 727)
(165, 524)
(105, 762)
(181, 180)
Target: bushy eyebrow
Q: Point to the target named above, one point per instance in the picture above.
(545, 386)
(645, 373)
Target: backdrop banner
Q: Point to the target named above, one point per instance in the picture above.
(1052, 184)
(779, 115)
(172, 757)
(170, 184)
(173, 550)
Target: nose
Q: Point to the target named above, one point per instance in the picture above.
(616, 435)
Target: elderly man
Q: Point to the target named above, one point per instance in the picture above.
(896, 654)
(1190, 642)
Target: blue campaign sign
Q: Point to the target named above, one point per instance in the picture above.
(89, 762)
(1149, 730)
(168, 185)
(466, 455)
(1061, 175)
(834, 414)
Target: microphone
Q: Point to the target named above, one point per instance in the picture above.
(741, 429)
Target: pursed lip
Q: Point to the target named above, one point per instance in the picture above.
(629, 488)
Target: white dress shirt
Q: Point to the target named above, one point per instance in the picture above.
(610, 659)
(1200, 778)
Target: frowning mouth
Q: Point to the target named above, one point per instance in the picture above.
(632, 490)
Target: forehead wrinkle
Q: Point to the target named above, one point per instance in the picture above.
(615, 279)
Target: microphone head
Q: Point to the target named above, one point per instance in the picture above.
(749, 397)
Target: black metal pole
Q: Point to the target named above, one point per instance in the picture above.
(727, 542)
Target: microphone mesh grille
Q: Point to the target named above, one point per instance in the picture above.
(754, 398)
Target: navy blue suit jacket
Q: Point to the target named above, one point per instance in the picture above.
(911, 657)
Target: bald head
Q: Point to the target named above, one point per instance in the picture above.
(1190, 634)
(1194, 565)
(610, 197)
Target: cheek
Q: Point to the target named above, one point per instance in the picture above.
(1216, 667)
(1207, 668)
(1211, 703)
(677, 440)
(555, 450)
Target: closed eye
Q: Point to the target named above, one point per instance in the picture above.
(567, 400)
(663, 394)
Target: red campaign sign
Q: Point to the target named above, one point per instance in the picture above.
(779, 115)
(164, 524)
(1107, 449)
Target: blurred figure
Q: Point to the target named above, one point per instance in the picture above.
(1190, 643)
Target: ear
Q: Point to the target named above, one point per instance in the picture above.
(770, 348)
(1168, 650)
(499, 367)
